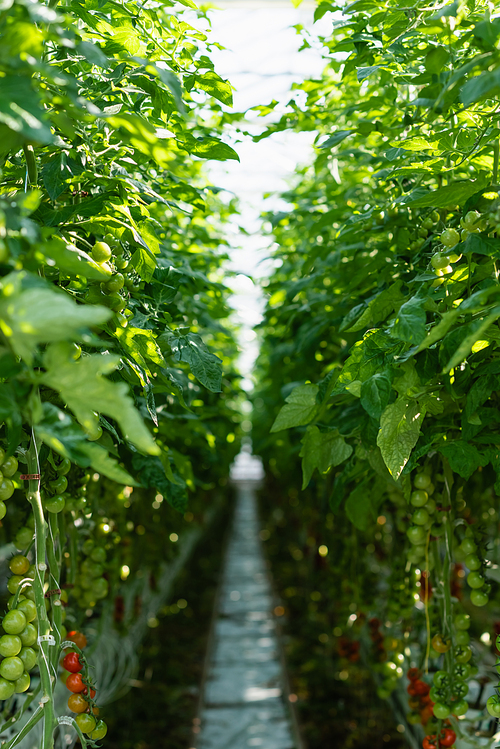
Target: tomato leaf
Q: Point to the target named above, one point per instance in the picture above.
(322, 450)
(300, 408)
(399, 433)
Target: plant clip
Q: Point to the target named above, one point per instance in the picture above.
(30, 476)
(52, 592)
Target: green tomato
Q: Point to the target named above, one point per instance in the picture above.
(462, 637)
(94, 433)
(462, 621)
(416, 534)
(86, 722)
(428, 223)
(121, 263)
(460, 689)
(461, 671)
(23, 538)
(13, 583)
(6, 489)
(55, 504)
(10, 645)
(19, 564)
(100, 588)
(419, 498)
(493, 706)
(28, 635)
(28, 657)
(441, 679)
(462, 654)
(9, 466)
(90, 568)
(115, 283)
(438, 262)
(7, 689)
(471, 219)
(421, 481)
(99, 732)
(431, 507)
(479, 597)
(22, 684)
(14, 622)
(11, 668)
(475, 580)
(450, 237)
(101, 252)
(2, 455)
(459, 707)
(64, 467)
(59, 485)
(473, 562)
(3, 510)
(439, 694)
(98, 554)
(441, 710)
(468, 546)
(87, 546)
(420, 516)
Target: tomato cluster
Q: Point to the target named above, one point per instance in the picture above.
(81, 700)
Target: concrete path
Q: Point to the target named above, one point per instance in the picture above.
(243, 701)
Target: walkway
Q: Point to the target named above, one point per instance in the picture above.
(243, 703)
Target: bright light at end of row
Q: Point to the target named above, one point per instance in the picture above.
(323, 550)
(124, 572)
(174, 537)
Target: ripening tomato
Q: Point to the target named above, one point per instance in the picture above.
(71, 662)
(86, 691)
(441, 644)
(78, 638)
(414, 674)
(77, 703)
(74, 683)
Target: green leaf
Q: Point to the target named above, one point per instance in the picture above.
(152, 474)
(375, 394)
(336, 138)
(321, 450)
(359, 508)
(144, 262)
(206, 367)
(102, 462)
(141, 345)
(379, 308)
(485, 85)
(207, 148)
(300, 408)
(71, 259)
(478, 329)
(42, 315)
(215, 86)
(21, 112)
(481, 245)
(399, 433)
(93, 54)
(409, 324)
(84, 389)
(464, 458)
(457, 193)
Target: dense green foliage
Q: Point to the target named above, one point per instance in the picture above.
(380, 364)
(117, 385)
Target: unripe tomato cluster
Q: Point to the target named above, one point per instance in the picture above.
(18, 646)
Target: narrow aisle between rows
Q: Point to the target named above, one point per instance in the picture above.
(243, 701)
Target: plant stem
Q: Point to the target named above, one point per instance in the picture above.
(38, 586)
(496, 154)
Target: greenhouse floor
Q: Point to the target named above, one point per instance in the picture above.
(243, 702)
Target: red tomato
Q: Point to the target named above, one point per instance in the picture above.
(414, 674)
(74, 683)
(71, 662)
(421, 687)
(429, 742)
(425, 715)
(447, 737)
(92, 692)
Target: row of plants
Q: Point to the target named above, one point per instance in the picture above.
(119, 399)
(376, 405)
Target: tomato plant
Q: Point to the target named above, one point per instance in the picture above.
(377, 382)
(120, 397)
